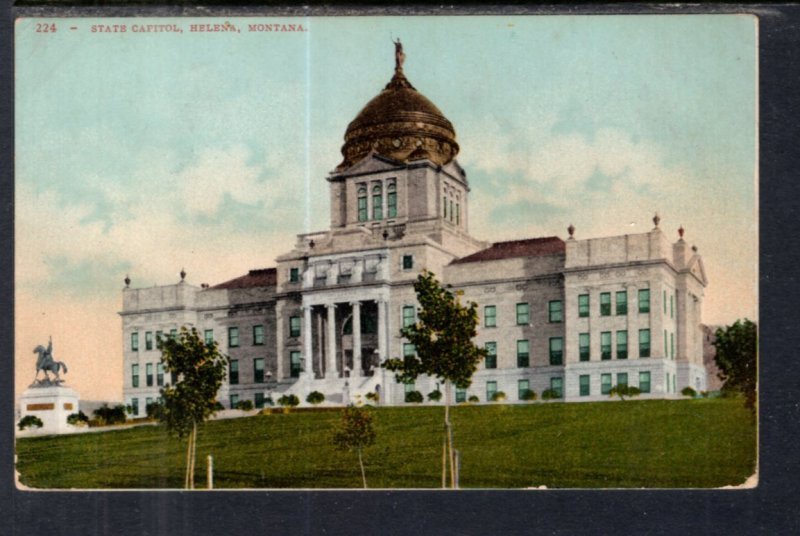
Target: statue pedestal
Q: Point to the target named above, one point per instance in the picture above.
(52, 404)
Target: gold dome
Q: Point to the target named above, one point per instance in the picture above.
(400, 123)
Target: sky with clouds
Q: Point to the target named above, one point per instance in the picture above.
(143, 154)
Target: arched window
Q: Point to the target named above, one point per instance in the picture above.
(362, 203)
(377, 202)
(391, 200)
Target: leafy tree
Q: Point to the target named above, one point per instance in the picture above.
(153, 410)
(622, 390)
(688, 392)
(355, 432)
(315, 397)
(442, 337)
(29, 420)
(200, 370)
(737, 347)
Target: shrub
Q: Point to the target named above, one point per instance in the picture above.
(498, 396)
(218, 406)
(473, 398)
(414, 397)
(30, 420)
(78, 419)
(550, 394)
(435, 395)
(244, 405)
(107, 415)
(704, 394)
(373, 396)
(624, 390)
(315, 397)
(289, 401)
(268, 401)
(529, 394)
(154, 410)
(688, 391)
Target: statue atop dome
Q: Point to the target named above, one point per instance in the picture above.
(399, 56)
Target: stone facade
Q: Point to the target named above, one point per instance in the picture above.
(571, 316)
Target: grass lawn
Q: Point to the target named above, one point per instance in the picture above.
(654, 443)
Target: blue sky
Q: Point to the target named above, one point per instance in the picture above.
(146, 153)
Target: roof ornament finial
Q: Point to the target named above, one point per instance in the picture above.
(127, 281)
(183, 274)
(681, 230)
(399, 56)
(656, 220)
(571, 231)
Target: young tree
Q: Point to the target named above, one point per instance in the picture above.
(200, 369)
(442, 337)
(354, 433)
(737, 347)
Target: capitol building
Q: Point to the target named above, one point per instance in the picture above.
(576, 316)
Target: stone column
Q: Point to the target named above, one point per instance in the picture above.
(308, 350)
(330, 369)
(357, 369)
(381, 329)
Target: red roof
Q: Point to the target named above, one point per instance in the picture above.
(265, 277)
(531, 247)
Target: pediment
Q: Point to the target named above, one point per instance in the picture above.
(697, 269)
(372, 163)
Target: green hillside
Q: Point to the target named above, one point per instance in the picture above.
(658, 443)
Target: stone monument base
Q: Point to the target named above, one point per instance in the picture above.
(52, 404)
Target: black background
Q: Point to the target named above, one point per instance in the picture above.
(771, 508)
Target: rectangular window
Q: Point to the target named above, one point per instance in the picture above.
(234, 401)
(523, 387)
(605, 304)
(461, 395)
(408, 262)
(148, 340)
(674, 388)
(258, 370)
(523, 353)
(149, 374)
(159, 338)
(233, 372)
(208, 335)
(294, 276)
(294, 326)
(671, 306)
(555, 311)
(584, 347)
(605, 345)
(451, 210)
(173, 377)
(672, 346)
(409, 350)
(583, 305)
(259, 400)
(605, 384)
(491, 389)
(666, 383)
(622, 302)
(458, 214)
(135, 405)
(644, 381)
(233, 337)
(491, 355)
(557, 386)
(644, 343)
(377, 203)
(147, 402)
(160, 374)
(583, 383)
(294, 364)
(134, 375)
(391, 205)
(665, 302)
(134, 342)
(173, 334)
(644, 300)
(523, 316)
(622, 378)
(666, 345)
(362, 206)
(490, 316)
(556, 351)
(444, 208)
(409, 386)
(409, 315)
(258, 335)
(622, 344)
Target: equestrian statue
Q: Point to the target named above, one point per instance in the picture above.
(45, 362)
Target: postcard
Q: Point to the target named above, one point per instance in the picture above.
(386, 252)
